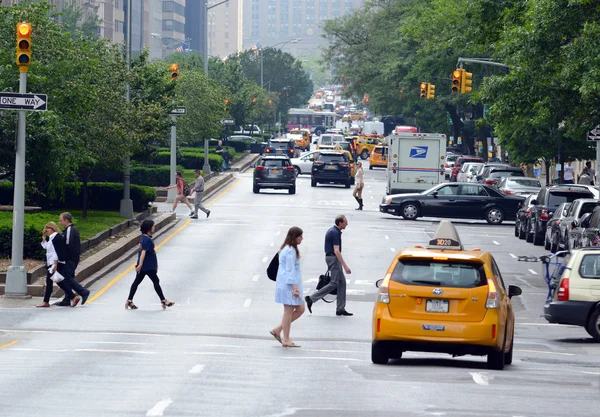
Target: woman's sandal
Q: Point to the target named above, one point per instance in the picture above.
(291, 345)
(276, 336)
(129, 304)
(167, 303)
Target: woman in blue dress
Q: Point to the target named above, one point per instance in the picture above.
(289, 286)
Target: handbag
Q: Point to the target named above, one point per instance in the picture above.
(56, 277)
(323, 281)
(273, 267)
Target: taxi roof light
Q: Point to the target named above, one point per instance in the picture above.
(446, 237)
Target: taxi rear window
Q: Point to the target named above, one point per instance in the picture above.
(435, 273)
(332, 158)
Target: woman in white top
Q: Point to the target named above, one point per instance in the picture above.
(51, 238)
(360, 184)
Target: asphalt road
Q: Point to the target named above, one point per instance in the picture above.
(212, 355)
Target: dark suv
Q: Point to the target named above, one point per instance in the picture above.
(331, 167)
(274, 172)
(281, 147)
(545, 204)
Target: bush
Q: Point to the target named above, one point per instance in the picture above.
(101, 196)
(31, 242)
(190, 160)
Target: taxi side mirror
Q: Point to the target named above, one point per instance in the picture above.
(513, 290)
(378, 283)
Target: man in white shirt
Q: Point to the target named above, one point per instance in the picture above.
(569, 173)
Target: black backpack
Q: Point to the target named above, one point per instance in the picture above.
(273, 267)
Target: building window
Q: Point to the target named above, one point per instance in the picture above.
(119, 26)
(323, 10)
(335, 8)
(226, 35)
(226, 45)
(173, 7)
(173, 26)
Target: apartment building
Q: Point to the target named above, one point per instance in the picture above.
(268, 22)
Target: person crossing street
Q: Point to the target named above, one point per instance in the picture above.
(360, 184)
(199, 190)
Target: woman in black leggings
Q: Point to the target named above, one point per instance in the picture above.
(147, 264)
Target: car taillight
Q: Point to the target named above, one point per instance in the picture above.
(383, 296)
(596, 241)
(490, 181)
(508, 192)
(267, 150)
(544, 215)
(528, 212)
(318, 162)
(563, 290)
(492, 298)
(447, 165)
(289, 168)
(260, 168)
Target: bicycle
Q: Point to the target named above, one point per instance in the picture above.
(553, 278)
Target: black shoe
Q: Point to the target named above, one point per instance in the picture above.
(84, 297)
(343, 313)
(309, 303)
(65, 302)
(208, 214)
(193, 217)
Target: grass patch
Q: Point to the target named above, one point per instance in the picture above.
(96, 222)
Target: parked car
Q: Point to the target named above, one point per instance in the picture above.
(276, 172)
(496, 174)
(519, 186)
(285, 147)
(485, 170)
(459, 163)
(551, 237)
(568, 225)
(576, 293)
(547, 201)
(249, 129)
(460, 201)
(332, 167)
(523, 216)
(467, 171)
(589, 233)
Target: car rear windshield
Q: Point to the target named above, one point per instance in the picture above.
(525, 182)
(275, 163)
(280, 145)
(555, 198)
(458, 274)
(506, 173)
(332, 158)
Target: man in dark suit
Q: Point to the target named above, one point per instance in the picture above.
(73, 245)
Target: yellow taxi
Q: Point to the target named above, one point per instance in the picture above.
(302, 138)
(366, 144)
(378, 157)
(444, 299)
(340, 147)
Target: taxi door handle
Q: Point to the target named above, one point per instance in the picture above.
(452, 200)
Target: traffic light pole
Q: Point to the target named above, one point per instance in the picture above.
(126, 206)
(16, 276)
(172, 192)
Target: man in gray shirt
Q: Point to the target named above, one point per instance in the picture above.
(199, 189)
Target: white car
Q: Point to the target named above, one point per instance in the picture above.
(592, 189)
(249, 129)
(303, 164)
(466, 173)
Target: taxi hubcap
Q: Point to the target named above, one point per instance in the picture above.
(494, 216)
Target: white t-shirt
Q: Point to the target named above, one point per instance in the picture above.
(568, 172)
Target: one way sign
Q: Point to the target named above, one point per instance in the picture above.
(15, 101)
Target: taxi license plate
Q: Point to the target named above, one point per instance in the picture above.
(437, 306)
(274, 171)
(279, 151)
(330, 167)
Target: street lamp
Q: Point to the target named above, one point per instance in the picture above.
(207, 8)
(273, 46)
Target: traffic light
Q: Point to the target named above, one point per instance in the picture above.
(226, 104)
(423, 90)
(430, 91)
(456, 80)
(174, 72)
(466, 82)
(23, 46)
(254, 99)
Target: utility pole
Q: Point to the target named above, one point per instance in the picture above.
(126, 206)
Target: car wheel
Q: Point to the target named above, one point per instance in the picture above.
(292, 190)
(538, 240)
(522, 231)
(364, 154)
(593, 324)
(370, 167)
(495, 359)
(528, 233)
(517, 228)
(554, 243)
(508, 356)
(379, 354)
(297, 170)
(352, 180)
(313, 183)
(494, 215)
(256, 189)
(546, 242)
(410, 211)
(348, 183)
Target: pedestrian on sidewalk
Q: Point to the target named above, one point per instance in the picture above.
(181, 196)
(360, 184)
(585, 178)
(569, 177)
(199, 190)
(591, 172)
(288, 290)
(51, 241)
(147, 264)
(72, 241)
(335, 263)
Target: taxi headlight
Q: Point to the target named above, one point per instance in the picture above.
(386, 200)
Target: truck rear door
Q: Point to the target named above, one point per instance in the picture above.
(419, 161)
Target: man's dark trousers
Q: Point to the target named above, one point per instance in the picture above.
(71, 266)
(338, 281)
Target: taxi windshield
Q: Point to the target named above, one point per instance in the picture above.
(458, 274)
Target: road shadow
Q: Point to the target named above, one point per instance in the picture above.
(434, 221)
(578, 341)
(439, 362)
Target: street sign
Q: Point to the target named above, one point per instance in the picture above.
(227, 121)
(178, 111)
(16, 101)
(594, 134)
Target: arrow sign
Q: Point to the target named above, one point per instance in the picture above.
(594, 134)
(227, 121)
(15, 101)
(178, 111)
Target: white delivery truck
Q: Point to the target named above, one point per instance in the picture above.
(416, 161)
(372, 127)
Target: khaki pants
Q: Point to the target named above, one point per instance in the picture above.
(358, 190)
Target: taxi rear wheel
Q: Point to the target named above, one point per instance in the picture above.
(364, 154)
(410, 211)
(379, 354)
(508, 356)
(495, 359)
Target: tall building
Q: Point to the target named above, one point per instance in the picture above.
(194, 24)
(173, 25)
(269, 22)
(225, 28)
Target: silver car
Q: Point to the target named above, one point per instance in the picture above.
(519, 186)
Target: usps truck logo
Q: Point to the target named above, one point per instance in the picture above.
(418, 152)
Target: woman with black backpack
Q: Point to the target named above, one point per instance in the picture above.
(183, 191)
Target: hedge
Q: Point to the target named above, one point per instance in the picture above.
(31, 242)
(150, 175)
(101, 196)
(190, 160)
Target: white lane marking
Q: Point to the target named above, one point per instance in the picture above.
(255, 278)
(495, 243)
(363, 282)
(393, 250)
(371, 197)
(532, 271)
(272, 244)
(265, 259)
(118, 343)
(512, 255)
(480, 378)
(324, 358)
(196, 369)
(247, 302)
(546, 351)
(141, 352)
(387, 237)
(159, 408)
